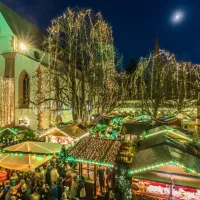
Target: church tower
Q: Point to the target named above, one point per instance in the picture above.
(197, 133)
(156, 47)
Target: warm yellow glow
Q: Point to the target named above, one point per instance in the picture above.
(22, 47)
(6, 102)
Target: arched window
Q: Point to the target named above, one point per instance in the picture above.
(24, 90)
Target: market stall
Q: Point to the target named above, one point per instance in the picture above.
(27, 155)
(92, 152)
(163, 191)
(167, 162)
(65, 134)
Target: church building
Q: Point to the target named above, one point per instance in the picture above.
(20, 57)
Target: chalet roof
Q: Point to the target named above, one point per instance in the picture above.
(20, 27)
(72, 131)
(96, 151)
(160, 140)
(178, 133)
(157, 156)
(35, 147)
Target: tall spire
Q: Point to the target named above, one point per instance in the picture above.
(156, 47)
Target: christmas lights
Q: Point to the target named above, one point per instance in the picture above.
(65, 134)
(96, 150)
(52, 130)
(89, 162)
(6, 102)
(31, 153)
(155, 166)
(167, 130)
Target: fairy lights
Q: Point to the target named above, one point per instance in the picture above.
(155, 166)
(19, 153)
(167, 131)
(89, 162)
(96, 150)
(6, 102)
(52, 130)
(65, 134)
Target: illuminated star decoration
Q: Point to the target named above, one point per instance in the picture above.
(177, 17)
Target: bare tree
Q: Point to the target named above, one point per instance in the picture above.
(82, 64)
(184, 86)
(152, 81)
(162, 82)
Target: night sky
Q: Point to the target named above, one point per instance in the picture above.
(135, 23)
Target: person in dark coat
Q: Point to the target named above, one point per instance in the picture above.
(6, 189)
(100, 172)
(46, 195)
(81, 184)
(60, 188)
(48, 176)
(54, 191)
(25, 195)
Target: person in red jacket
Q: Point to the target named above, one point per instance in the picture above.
(3, 174)
(68, 181)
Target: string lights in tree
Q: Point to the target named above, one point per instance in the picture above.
(82, 54)
(161, 81)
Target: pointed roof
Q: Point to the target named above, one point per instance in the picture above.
(161, 139)
(96, 151)
(20, 27)
(177, 133)
(71, 131)
(35, 147)
(158, 156)
(156, 47)
(27, 161)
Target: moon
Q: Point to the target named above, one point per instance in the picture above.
(177, 17)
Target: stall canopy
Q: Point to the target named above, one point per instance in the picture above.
(96, 151)
(73, 132)
(27, 155)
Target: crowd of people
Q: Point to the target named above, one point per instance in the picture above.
(54, 180)
(51, 181)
